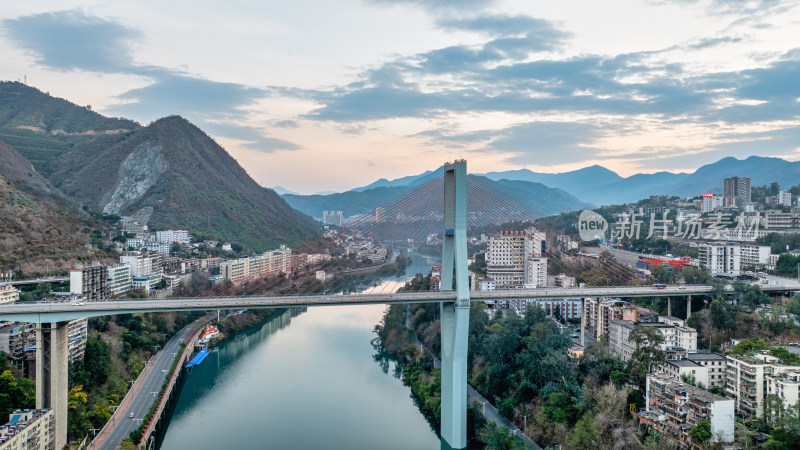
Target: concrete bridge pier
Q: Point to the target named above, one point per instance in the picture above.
(52, 389)
(688, 306)
(455, 315)
(669, 306)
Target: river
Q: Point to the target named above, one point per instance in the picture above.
(303, 382)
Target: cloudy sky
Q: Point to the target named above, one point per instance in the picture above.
(329, 95)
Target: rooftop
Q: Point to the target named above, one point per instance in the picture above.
(708, 356)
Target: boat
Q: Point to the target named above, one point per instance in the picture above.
(211, 332)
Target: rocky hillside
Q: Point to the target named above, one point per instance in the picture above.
(117, 166)
(190, 182)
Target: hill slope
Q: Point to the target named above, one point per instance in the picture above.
(190, 182)
(116, 166)
(40, 232)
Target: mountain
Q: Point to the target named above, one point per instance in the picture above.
(542, 199)
(40, 230)
(117, 166)
(280, 190)
(349, 203)
(190, 182)
(574, 181)
(412, 180)
(600, 186)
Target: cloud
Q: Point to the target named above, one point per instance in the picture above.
(440, 5)
(178, 93)
(545, 143)
(714, 42)
(286, 124)
(254, 137)
(504, 25)
(73, 40)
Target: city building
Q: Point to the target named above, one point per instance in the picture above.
(159, 247)
(269, 263)
(516, 258)
(676, 407)
(685, 369)
(77, 332)
(784, 198)
(599, 312)
(15, 340)
(380, 214)
(732, 257)
(736, 191)
(720, 257)
(714, 363)
(332, 218)
(29, 429)
(171, 236)
(561, 280)
(710, 202)
(746, 381)
(119, 279)
(785, 385)
(135, 243)
(91, 282)
(679, 340)
(143, 264)
(8, 294)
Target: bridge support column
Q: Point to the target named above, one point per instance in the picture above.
(669, 306)
(52, 389)
(455, 316)
(688, 306)
(583, 322)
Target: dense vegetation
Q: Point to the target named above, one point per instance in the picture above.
(520, 364)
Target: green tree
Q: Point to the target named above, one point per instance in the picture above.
(97, 360)
(646, 355)
(701, 432)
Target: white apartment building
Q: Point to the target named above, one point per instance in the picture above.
(599, 313)
(143, 264)
(785, 385)
(711, 202)
(679, 368)
(714, 363)
(675, 337)
(747, 381)
(558, 308)
(159, 247)
(332, 218)
(672, 402)
(119, 279)
(171, 236)
(516, 258)
(8, 294)
(270, 263)
(135, 243)
(29, 429)
(784, 198)
(720, 257)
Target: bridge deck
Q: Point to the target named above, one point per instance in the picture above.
(56, 312)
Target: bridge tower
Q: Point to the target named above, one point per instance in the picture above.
(455, 316)
(52, 362)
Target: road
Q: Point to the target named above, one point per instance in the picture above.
(490, 413)
(140, 397)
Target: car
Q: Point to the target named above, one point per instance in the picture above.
(77, 303)
(131, 415)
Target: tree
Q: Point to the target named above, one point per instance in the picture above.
(76, 395)
(701, 432)
(97, 360)
(646, 354)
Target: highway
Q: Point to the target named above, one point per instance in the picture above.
(40, 312)
(140, 397)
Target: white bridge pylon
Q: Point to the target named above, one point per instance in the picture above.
(455, 315)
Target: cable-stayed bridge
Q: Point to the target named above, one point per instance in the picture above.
(440, 213)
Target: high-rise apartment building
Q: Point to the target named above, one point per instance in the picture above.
(516, 258)
(90, 281)
(736, 191)
(332, 218)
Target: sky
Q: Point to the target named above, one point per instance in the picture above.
(330, 95)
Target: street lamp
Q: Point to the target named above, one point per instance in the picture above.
(94, 435)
